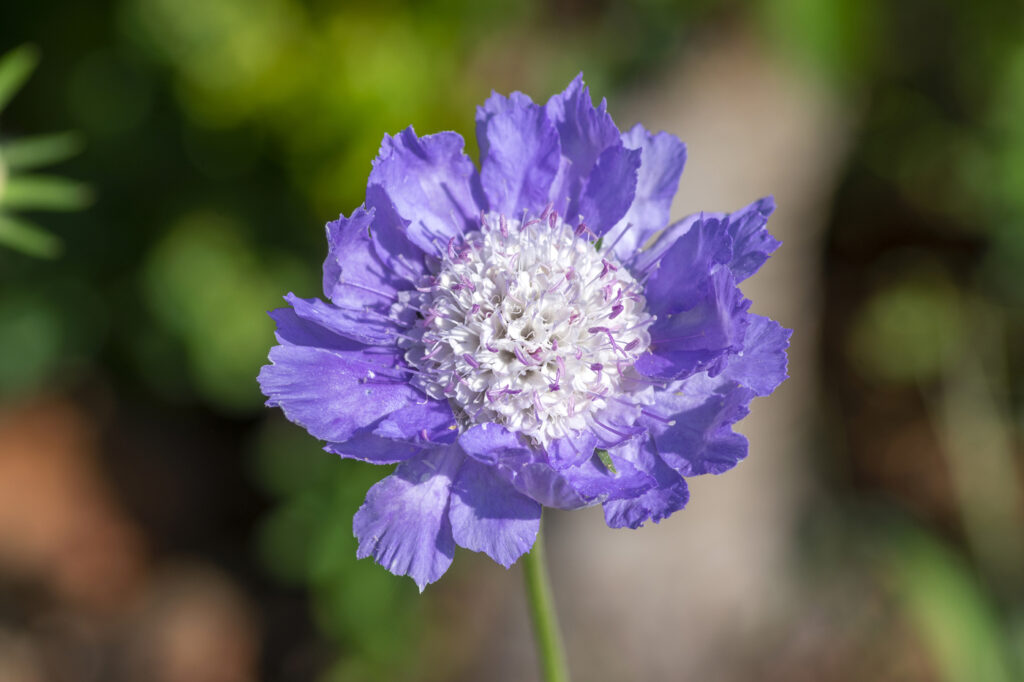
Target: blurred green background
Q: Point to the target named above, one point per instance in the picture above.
(165, 172)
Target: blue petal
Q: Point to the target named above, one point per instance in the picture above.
(332, 393)
(353, 273)
(519, 154)
(699, 338)
(572, 450)
(364, 325)
(403, 524)
(365, 446)
(493, 444)
(597, 483)
(681, 277)
(700, 439)
(669, 495)
(427, 421)
(526, 468)
(584, 132)
(292, 330)
(390, 235)
(430, 182)
(761, 365)
(488, 514)
(753, 243)
(610, 188)
(661, 165)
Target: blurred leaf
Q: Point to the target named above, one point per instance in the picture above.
(837, 37)
(947, 607)
(28, 238)
(906, 331)
(287, 461)
(32, 333)
(40, 150)
(44, 192)
(15, 68)
(207, 284)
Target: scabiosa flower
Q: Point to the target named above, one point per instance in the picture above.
(505, 337)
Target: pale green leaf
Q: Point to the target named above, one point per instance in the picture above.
(40, 150)
(28, 238)
(45, 192)
(15, 68)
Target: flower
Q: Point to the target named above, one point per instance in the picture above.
(503, 336)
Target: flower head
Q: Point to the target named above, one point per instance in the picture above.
(505, 338)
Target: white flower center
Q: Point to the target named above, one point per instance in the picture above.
(529, 326)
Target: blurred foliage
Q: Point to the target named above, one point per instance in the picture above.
(223, 134)
(32, 192)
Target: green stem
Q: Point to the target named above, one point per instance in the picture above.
(542, 612)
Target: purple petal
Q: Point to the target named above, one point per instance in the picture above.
(390, 234)
(700, 439)
(292, 330)
(494, 444)
(353, 274)
(367, 447)
(661, 165)
(699, 338)
(572, 450)
(761, 366)
(540, 482)
(363, 325)
(519, 154)
(669, 495)
(596, 483)
(488, 514)
(426, 422)
(526, 468)
(332, 393)
(584, 131)
(753, 243)
(610, 188)
(681, 277)
(403, 524)
(430, 182)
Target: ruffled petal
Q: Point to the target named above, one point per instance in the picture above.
(390, 236)
(493, 444)
(403, 524)
(488, 515)
(431, 182)
(364, 325)
(365, 446)
(661, 165)
(333, 393)
(681, 277)
(572, 450)
(761, 366)
(700, 338)
(519, 154)
(753, 243)
(584, 131)
(610, 188)
(427, 421)
(698, 439)
(353, 274)
(595, 482)
(292, 330)
(526, 468)
(669, 495)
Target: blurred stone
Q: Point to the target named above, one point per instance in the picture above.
(194, 626)
(60, 524)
